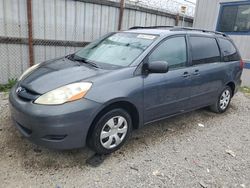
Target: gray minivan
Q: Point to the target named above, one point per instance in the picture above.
(123, 81)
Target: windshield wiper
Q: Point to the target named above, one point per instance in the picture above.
(70, 57)
(82, 60)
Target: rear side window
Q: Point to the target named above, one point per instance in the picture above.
(173, 51)
(204, 50)
(228, 50)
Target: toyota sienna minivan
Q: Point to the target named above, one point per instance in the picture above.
(123, 81)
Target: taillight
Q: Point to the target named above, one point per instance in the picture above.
(241, 64)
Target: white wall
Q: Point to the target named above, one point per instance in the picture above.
(246, 77)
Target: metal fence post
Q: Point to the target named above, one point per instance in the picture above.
(177, 18)
(122, 4)
(30, 32)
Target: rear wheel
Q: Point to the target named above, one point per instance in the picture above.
(223, 101)
(111, 131)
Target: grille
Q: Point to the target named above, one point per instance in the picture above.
(26, 94)
(54, 137)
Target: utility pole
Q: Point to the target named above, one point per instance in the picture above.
(183, 11)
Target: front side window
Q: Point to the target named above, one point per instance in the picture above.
(172, 50)
(234, 18)
(228, 50)
(204, 50)
(119, 49)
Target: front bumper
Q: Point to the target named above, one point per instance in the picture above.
(57, 126)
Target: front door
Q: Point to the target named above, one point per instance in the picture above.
(166, 94)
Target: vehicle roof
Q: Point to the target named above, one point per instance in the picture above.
(164, 31)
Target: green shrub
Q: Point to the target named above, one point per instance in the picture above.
(245, 90)
(9, 85)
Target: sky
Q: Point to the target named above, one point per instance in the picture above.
(181, 1)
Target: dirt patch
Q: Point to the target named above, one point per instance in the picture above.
(197, 149)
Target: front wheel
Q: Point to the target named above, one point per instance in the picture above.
(111, 131)
(223, 101)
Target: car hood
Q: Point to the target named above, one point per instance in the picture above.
(56, 73)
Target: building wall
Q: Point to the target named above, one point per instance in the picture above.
(246, 77)
(206, 15)
(64, 21)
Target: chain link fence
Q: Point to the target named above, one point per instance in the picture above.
(61, 27)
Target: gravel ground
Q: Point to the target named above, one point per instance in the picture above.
(197, 149)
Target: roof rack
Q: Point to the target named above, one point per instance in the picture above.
(152, 27)
(177, 28)
(194, 29)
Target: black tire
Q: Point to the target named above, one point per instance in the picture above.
(217, 107)
(95, 142)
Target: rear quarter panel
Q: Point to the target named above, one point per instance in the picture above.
(234, 71)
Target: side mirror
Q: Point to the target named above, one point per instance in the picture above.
(157, 67)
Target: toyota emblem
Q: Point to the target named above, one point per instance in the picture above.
(19, 89)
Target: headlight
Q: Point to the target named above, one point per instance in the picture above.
(65, 94)
(29, 70)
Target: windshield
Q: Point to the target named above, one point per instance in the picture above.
(119, 49)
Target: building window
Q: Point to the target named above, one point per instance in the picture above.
(234, 18)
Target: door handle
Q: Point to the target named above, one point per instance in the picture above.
(196, 72)
(185, 74)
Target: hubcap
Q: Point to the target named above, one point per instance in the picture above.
(224, 99)
(113, 132)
